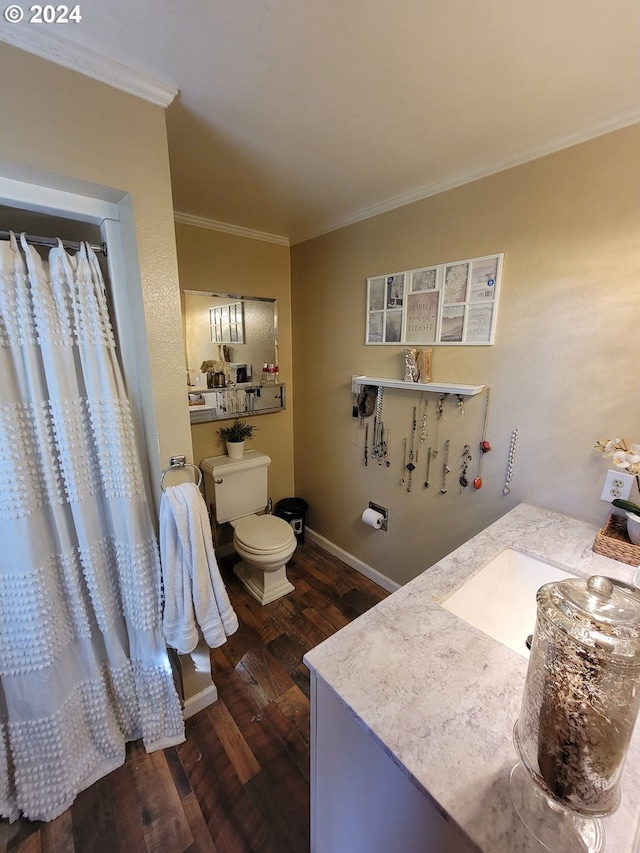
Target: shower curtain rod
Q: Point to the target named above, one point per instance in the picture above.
(53, 241)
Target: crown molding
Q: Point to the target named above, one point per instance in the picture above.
(42, 42)
(226, 228)
(557, 143)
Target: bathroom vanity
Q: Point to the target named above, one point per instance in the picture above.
(413, 711)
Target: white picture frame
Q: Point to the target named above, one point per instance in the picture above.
(385, 302)
(450, 304)
(226, 323)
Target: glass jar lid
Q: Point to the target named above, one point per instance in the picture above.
(598, 612)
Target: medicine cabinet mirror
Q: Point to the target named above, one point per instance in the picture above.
(243, 332)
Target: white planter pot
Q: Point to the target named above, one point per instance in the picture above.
(235, 449)
(633, 527)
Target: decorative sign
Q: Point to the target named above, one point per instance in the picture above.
(454, 303)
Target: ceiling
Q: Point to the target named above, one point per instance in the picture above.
(295, 117)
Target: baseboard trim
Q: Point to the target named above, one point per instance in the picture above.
(369, 572)
(364, 569)
(201, 700)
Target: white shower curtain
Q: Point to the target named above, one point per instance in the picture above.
(83, 664)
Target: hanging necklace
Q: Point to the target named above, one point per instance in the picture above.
(377, 447)
(466, 458)
(439, 417)
(424, 429)
(404, 461)
(485, 447)
(445, 467)
(426, 482)
(410, 465)
(355, 393)
(512, 457)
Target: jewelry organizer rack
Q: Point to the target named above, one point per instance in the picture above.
(419, 440)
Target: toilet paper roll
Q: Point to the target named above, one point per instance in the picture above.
(373, 518)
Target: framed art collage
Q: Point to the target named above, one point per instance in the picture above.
(451, 304)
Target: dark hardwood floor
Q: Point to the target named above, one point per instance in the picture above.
(240, 782)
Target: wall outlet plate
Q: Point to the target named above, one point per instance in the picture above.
(617, 484)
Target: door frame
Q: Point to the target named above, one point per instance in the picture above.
(112, 211)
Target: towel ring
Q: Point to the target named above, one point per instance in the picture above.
(175, 466)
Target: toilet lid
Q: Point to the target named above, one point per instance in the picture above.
(263, 533)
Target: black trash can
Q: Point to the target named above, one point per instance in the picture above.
(293, 510)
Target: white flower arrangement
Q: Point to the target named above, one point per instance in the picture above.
(211, 364)
(621, 454)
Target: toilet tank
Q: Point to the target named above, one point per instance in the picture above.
(234, 488)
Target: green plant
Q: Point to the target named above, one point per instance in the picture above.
(627, 506)
(238, 431)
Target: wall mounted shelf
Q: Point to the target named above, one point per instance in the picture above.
(433, 387)
(239, 401)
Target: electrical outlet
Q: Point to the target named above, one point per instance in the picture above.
(617, 484)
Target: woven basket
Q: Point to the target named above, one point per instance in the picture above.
(612, 541)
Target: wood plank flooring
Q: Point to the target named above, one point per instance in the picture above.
(240, 782)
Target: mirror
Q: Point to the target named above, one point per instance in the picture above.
(245, 329)
(228, 339)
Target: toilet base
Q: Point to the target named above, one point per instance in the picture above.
(265, 587)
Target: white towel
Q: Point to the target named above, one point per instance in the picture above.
(195, 594)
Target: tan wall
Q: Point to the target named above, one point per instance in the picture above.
(564, 369)
(226, 263)
(78, 130)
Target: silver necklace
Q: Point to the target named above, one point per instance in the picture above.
(424, 429)
(426, 482)
(445, 467)
(512, 457)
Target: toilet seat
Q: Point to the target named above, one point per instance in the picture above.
(263, 534)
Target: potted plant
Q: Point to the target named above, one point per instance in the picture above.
(235, 436)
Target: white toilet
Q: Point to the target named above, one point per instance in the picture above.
(236, 489)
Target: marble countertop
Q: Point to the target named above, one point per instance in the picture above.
(441, 697)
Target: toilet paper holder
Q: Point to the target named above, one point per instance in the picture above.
(383, 512)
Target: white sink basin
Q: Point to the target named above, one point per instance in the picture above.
(501, 599)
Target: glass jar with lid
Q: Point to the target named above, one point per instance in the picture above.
(582, 692)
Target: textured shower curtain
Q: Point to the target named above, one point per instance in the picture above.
(83, 664)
